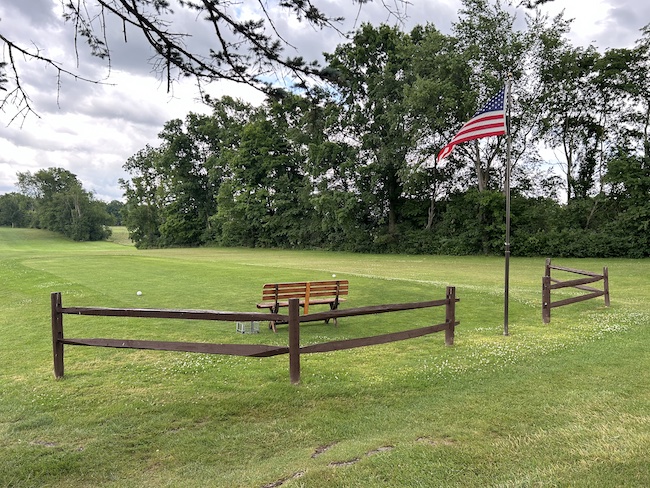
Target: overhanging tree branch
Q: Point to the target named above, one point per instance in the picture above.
(18, 96)
(244, 50)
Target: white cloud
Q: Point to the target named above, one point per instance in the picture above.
(603, 23)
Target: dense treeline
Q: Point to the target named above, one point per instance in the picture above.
(54, 199)
(351, 165)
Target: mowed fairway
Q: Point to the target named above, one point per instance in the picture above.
(563, 404)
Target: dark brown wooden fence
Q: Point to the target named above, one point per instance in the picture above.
(549, 283)
(256, 350)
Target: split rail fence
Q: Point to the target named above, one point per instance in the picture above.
(294, 350)
(549, 283)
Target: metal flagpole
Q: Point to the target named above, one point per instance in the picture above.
(507, 191)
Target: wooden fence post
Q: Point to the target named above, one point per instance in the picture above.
(450, 315)
(57, 334)
(606, 285)
(546, 298)
(546, 292)
(294, 340)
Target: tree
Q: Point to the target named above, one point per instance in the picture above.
(371, 75)
(171, 198)
(570, 124)
(434, 101)
(114, 208)
(628, 178)
(144, 198)
(265, 202)
(15, 210)
(341, 166)
(342, 220)
(361, 69)
(62, 205)
(495, 51)
(189, 195)
(637, 86)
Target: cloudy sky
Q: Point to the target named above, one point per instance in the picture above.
(92, 129)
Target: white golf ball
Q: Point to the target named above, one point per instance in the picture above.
(139, 293)
(333, 276)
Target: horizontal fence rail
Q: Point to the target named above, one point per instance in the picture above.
(373, 340)
(549, 283)
(370, 310)
(254, 350)
(171, 314)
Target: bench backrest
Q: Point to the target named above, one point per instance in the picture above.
(312, 289)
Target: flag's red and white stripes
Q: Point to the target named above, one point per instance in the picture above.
(489, 121)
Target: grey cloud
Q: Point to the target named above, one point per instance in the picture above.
(311, 43)
(14, 15)
(119, 102)
(127, 109)
(624, 23)
(99, 172)
(6, 189)
(23, 138)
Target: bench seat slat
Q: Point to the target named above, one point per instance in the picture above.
(317, 293)
(302, 302)
(287, 295)
(326, 285)
(272, 286)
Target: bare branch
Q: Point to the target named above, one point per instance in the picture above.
(17, 96)
(246, 51)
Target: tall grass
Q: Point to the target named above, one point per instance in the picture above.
(564, 404)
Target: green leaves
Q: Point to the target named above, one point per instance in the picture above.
(349, 164)
(61, 204)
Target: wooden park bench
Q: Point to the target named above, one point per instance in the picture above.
(276, 295)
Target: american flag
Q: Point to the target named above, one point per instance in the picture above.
(489, 121)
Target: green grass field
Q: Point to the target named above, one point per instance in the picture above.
(563, 404)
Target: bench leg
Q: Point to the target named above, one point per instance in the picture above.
(333, 306)
(272, 325)
(272, 322)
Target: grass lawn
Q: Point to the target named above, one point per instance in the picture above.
(563, 404)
